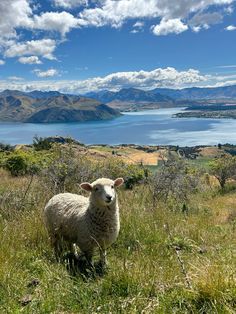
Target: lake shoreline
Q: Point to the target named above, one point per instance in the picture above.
(151, 127)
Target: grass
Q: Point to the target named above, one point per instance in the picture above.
(145, 274)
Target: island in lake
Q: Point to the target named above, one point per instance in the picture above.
(213, 110)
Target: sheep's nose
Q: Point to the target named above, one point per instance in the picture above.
(108, 197)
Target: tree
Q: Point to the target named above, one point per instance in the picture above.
(223, 168)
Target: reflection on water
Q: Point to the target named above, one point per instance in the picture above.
(153, 127)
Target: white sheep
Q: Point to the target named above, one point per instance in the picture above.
(89, 223)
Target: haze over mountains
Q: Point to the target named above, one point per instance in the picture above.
(53, 106)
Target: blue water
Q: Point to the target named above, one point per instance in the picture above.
(153, 127)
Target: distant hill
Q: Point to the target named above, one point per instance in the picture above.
(163, 95)
(129, 94)
(197, 93)
(36, 107)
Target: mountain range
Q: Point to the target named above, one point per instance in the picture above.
(43, 107)
(165, 94)
(53, 106)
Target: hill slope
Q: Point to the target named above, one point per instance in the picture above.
(21, 107)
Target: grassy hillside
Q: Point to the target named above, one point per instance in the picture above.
(166, 260)
(15, 107)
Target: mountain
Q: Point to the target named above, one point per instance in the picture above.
(129, 94)
(199, 93)
(21, 107)
(39, 94)
(165, 95)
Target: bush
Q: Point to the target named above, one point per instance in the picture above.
(223, 168)
(23, 162)
(175, 182)
(115, 167)
(40, 143)
(6, 147)
(17, 165)
(67, 169)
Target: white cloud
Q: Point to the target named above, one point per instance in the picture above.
(14, 14)
(230, 28)
(229, 10)
(48, 73)
(115, 13)
(175, 16)
(226, 66)
(137, 27)
(43, 47)
(15, 78)
(30, 60)
(68, 4)
(2, 62)
(175, 26)
(204, 20)
(134, 31)
(61, 22)
(18, 14)
(161, 77)
(138, 24)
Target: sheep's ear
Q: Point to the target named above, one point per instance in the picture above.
(118, 181)
(86, 186)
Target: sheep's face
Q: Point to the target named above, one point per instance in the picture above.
(103, 190)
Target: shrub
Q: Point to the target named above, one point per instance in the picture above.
(23, 162)
(223, 168)
(6, 147)
(17, 165)
(175, 182)
(40, 143)
(67, 169)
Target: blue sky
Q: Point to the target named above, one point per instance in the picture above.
(78, 46)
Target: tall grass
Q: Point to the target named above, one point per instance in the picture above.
(145, 274)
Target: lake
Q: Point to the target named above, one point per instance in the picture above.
(152, 127)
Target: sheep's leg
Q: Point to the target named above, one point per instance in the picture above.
(57, 245)
(103, 257)
(88, 256)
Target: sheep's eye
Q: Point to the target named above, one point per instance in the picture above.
(112, 186)
(96, 189)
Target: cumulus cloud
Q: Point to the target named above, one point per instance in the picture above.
(115, 13)
(166, 27)
(30, 60)
(230, 28)
(172, 16)
(48, 73)
(161, 77)
(43, 47)
(2, 62)
(61, 22)
(14, 14)
(18, 14)
(68, 4)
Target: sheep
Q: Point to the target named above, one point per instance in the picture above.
(88, 223)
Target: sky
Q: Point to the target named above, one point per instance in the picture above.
(77, 46)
